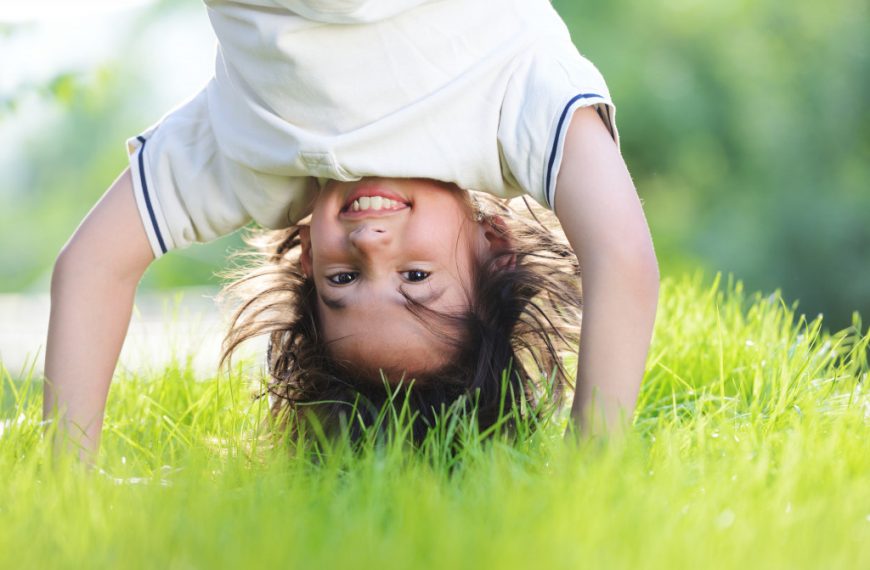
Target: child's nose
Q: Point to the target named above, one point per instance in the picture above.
(369, 239)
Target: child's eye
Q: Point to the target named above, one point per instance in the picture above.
(343, 278)
(415, 275)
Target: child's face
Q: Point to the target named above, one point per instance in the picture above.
(421, 242)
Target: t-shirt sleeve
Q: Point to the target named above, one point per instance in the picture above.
(183, 184)
(545, 90)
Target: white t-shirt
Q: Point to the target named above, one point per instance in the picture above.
(475, 92)
(342, 11)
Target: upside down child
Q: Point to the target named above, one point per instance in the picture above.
(362, 132)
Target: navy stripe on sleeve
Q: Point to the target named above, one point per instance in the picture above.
(147, 196)
(558, 136)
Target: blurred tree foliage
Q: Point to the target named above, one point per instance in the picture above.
(745, 124)
(74, 155)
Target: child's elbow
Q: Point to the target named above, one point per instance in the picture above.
(642, 268)
(87, 262)
(69, 263)
(647, 264)
(634, 263)
(648, 268)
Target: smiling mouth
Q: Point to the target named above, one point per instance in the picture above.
(369, 200)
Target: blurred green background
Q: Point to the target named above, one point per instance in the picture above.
(745, 124)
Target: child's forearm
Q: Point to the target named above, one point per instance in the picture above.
(619, 308)
(92, 292)
(599, 210)
(89, 318)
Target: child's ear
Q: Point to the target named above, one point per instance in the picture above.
(305, 255)
(498, 241)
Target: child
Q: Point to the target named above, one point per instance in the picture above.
(489, 290)
(489, 95)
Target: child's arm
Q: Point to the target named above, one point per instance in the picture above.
(599, 210)
(92, 290)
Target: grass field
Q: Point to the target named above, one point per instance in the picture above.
(751, 449)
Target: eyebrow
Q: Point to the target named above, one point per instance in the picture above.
(340, 304)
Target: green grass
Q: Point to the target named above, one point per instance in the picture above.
(751, 448)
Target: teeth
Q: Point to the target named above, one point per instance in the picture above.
(375, 203)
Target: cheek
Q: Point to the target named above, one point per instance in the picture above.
(454, 245)
(327, 242)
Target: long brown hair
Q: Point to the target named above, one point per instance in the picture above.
(523, 317)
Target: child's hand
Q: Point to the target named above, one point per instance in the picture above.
(599, 210)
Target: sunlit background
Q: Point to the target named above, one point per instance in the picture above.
(745, 125)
